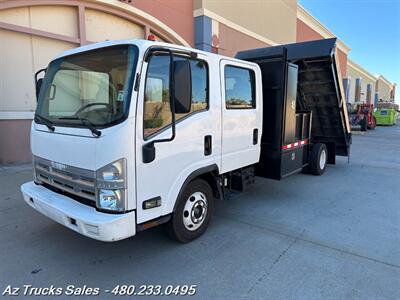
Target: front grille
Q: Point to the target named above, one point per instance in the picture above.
(75, 181)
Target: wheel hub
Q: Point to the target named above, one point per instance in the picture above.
(195, 211)
(322, 160)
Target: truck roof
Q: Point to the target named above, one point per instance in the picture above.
(143, 45)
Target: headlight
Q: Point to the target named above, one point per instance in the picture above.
(111, 200)
(111, 186)
(114, 172)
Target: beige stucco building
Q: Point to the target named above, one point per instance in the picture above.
(360, 84)
(363, 87)
(258, 22)
(310, 28)
(34, 32)
(385, 89)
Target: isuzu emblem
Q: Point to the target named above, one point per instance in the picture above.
(58, 166)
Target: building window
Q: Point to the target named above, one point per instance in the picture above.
(157, 111)
(239, 88)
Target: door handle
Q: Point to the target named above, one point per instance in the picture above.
(255, 136)
(207, 145)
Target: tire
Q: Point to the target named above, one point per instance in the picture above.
(364, 124)
(373, 123)
(193, 212)
(318, 159)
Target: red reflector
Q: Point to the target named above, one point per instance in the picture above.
(151, 37)
(294, 145)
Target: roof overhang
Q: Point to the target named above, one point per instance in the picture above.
(361, 70)
(385, 81)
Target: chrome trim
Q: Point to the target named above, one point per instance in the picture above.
(77, 181)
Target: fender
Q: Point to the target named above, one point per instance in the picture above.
(204, 170)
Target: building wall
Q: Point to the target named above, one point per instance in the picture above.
(231, 41)
(14, 145)
(355, 72)
(306, 33)
(177, 14)
(33, 32)
(383, 88)
(342, 57)
(393, 92)
(275, 20)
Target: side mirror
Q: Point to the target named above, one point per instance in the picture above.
(38, 82)
(38, 86)
(149, 152)
(183, 86)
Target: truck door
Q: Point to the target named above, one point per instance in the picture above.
(197, 141)
(241, 114)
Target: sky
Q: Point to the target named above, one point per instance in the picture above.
(371, 28)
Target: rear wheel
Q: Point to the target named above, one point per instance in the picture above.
(318, 159)
(193, 212)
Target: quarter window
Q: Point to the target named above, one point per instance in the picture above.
(157, 110)
(239, 88)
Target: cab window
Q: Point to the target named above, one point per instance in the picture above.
(239, 88)
(157, 110)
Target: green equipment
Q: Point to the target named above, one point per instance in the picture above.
(385, 116)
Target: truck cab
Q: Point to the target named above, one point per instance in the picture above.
(132, 134)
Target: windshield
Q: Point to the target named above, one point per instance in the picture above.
(94, 86)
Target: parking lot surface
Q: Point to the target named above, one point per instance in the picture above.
(331, 237)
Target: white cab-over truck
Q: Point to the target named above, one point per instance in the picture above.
(131, 134)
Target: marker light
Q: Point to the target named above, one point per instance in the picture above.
(151, 37)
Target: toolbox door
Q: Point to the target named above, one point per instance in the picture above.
(292, 149)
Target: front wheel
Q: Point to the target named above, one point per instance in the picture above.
(318, 159)
(193, 212)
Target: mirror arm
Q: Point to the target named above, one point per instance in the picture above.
(37, 80)
(38, 72)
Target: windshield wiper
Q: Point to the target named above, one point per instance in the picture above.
(46, 122)
(85, 122)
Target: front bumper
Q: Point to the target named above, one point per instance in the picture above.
(79, 217)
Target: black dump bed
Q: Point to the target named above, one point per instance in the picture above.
(310, 69)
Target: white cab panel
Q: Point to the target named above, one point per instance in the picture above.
(239, 123)
(177, 159)
(78, 148)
